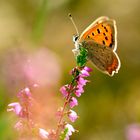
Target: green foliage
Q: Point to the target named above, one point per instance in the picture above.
(81, 58)
(40, 21)
(63, 134)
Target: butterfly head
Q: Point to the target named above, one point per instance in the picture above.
(75, 38)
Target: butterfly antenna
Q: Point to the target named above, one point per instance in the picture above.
(70, 16)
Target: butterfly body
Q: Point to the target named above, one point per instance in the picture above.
(100, 40)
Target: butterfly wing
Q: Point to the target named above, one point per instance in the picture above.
(103, 31)
(102, 57)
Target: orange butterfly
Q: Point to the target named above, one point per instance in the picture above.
(100, 40)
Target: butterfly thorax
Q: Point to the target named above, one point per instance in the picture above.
(76, 44)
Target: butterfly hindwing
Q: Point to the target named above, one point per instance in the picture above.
(102, 31)
(102, 57)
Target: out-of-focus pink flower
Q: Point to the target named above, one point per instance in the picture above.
(24, 92)
(73, 102)
(59, 112)
(64, 91)
(43, 133)
(16, 107)
(42, 72)
(72, 116)
(18, 126)
(133, 132)
(27, 91)
(70, 131)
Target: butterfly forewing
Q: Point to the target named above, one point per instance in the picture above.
(103, 32)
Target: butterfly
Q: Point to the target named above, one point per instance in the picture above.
(100, 40)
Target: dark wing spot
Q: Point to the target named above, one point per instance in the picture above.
(104, 34)
(105, 29)
(88, 36)
(102, 25)
(106, 38)
(110, 45)
(92, 33)
(98, 31)
(103, 42)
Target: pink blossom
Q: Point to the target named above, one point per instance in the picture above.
(82, 81)
(64, 91)
(133, 132)
(79, 90)
(25, 91)
(72, 116)
(43, 133)
(84, 73)
(16, 107)
(70, 130)
(73, 102)
(18, 126)
(87, 69)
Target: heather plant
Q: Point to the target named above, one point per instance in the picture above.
(70, 94)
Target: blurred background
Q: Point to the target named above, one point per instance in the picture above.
(35, 47)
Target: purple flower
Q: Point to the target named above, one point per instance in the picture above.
(73, 116)
(70, 131)
(27, 92)
(43, 133)
(18, 126)
(133, 132)
(79, 90)
(87, 69)
(64, 91)
(73, 102)
(16, 107)
(81, 81)
(24, 93)
(84, 73)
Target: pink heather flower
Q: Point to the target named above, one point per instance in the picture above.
(43, 133)
(72, 116)
(63, 90)
(16, 107)
(73, 102)
(133, 132)
(35, 85)
(87, 69)
(79, 90)
(84, 73)
(70, 131)
(25, 91)
(82, 81)
(18, 126)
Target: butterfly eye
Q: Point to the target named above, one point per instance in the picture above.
(75, 38)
